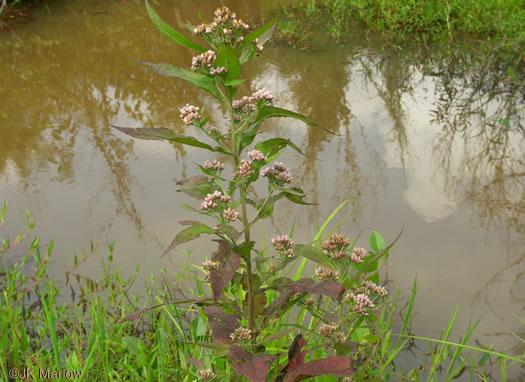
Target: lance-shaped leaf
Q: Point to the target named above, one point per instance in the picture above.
(272, 146)
(253, 366)
(263, 33)
(196, 186)
(295, 356)
(188, 234)
(197, 79)
(273, 112)
(336, 366)
(163, 133)
(315, 254)
(248, 135)
(326, 288)
(296, 195)
(171, 33)
(136, 314)
(222, 324)
(229, 262)
(259, 302)
(227, 58)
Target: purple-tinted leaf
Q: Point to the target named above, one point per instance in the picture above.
(295, 356)
(188, 234)
(326, 288)
(196, 362)
(136, 314)
(229, 262)
(259, 302)
(222, 324)
(336, 366)
(132, 316)
(253, 366)
(197, 186)
(280, 302)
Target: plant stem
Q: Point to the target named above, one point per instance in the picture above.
(242, 192)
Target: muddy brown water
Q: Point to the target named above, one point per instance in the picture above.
(435, 153)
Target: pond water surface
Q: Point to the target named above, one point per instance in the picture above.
(437, 153)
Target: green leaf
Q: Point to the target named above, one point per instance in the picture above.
(227, 57)
(272, 146)
(296, 195)
(196, 186)
(359, 335)
(377, 242)
(171, 33)
(273, 112)
(371, 338)
(188, 234)
(268, 27)
(163, 133)
(244, 249)
(234, 82)
(374, 277)
(313, 253)
(199, 80)
(387, 342)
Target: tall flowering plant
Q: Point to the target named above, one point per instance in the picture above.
(247, 297)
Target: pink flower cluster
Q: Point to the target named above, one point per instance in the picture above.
(263, 94)
(214, 130)
(244, 105)
(256, 155)
(206, 375)
(231, 215)
(218, 70)
(362, 302)
(260, 47)
(324, 274)
(206, 59)
(247, 104)
(284, 245)
(278, 172)
(241, 334)
(209, 265)
(335, 246)
(211, 201)
(224, 19)
(381, 292)
(245, 169)
(358, 255)
(332, 330)
(213, 165)
(327, 330)
(189, 113)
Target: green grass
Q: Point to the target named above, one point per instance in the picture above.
(89, 333)
(498, 24)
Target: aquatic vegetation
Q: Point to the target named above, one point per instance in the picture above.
(491, 29)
